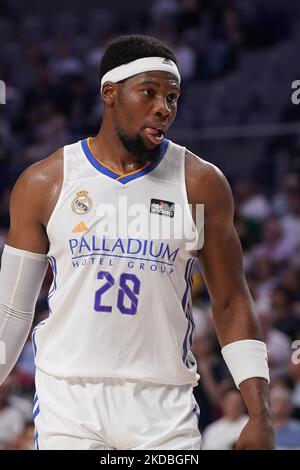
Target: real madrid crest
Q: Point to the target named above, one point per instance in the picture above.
(82, 203)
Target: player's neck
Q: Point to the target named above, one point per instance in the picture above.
(108, 149)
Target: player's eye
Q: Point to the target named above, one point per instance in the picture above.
(172, 99)
(149, 92)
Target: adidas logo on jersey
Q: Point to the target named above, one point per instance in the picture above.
(81, 227)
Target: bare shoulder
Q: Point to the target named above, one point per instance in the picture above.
(43, 172)
(39, 185)
(206, 184)
(32, 201)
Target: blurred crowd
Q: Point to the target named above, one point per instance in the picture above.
(50, 68)
(269, 230)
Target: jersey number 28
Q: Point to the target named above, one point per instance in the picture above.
(125, 290)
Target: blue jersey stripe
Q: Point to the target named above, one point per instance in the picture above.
(36, 440)
(53, 287)
(123, 179)
(186, 274)
(34, 343)
(187, 310)
(36, 412)
(52, 290)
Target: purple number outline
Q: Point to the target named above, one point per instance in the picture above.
(110, 282)
(123, 290)
(132, 294)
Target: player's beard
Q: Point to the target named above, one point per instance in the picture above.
(135, 145)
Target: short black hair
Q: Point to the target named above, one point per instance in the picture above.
(125, 49)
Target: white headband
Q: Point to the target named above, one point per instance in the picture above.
(147, 64)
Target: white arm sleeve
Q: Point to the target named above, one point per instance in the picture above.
(21, 279)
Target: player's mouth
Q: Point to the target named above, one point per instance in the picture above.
(154, 134)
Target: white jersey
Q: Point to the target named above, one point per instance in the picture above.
(120, 301)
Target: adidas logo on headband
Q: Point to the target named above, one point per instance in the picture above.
(167, 61)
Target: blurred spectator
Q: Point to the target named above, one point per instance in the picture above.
(290, 279)
(64, 61)
(49, 132)
(291, 221)
(186, 58)
(284, 317)
(290, 185)
(164, 8)
(278, 345)
(248, 231)
(26, 366)
(294, 371)
(249, 203)
(214, 375)
(24, 441)
(287, 430)
(11, 419)
(95, 54)
(265, 281)
(189, 15)
(223, 433)
(273, 247)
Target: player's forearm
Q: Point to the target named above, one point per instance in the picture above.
(243, 348)
(237, 319)
(258, 434)
(14, 330)
(21, 277)
(255, 392)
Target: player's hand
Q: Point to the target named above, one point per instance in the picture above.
(258, 434)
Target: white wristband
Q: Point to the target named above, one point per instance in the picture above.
(245, 359)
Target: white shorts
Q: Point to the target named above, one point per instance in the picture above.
(112, 413)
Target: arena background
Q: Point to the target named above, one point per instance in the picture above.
(238, 61)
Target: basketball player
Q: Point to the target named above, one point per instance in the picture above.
(114, 369)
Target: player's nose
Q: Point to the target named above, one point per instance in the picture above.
(162, 108)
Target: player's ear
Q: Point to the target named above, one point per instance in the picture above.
(108, 93)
